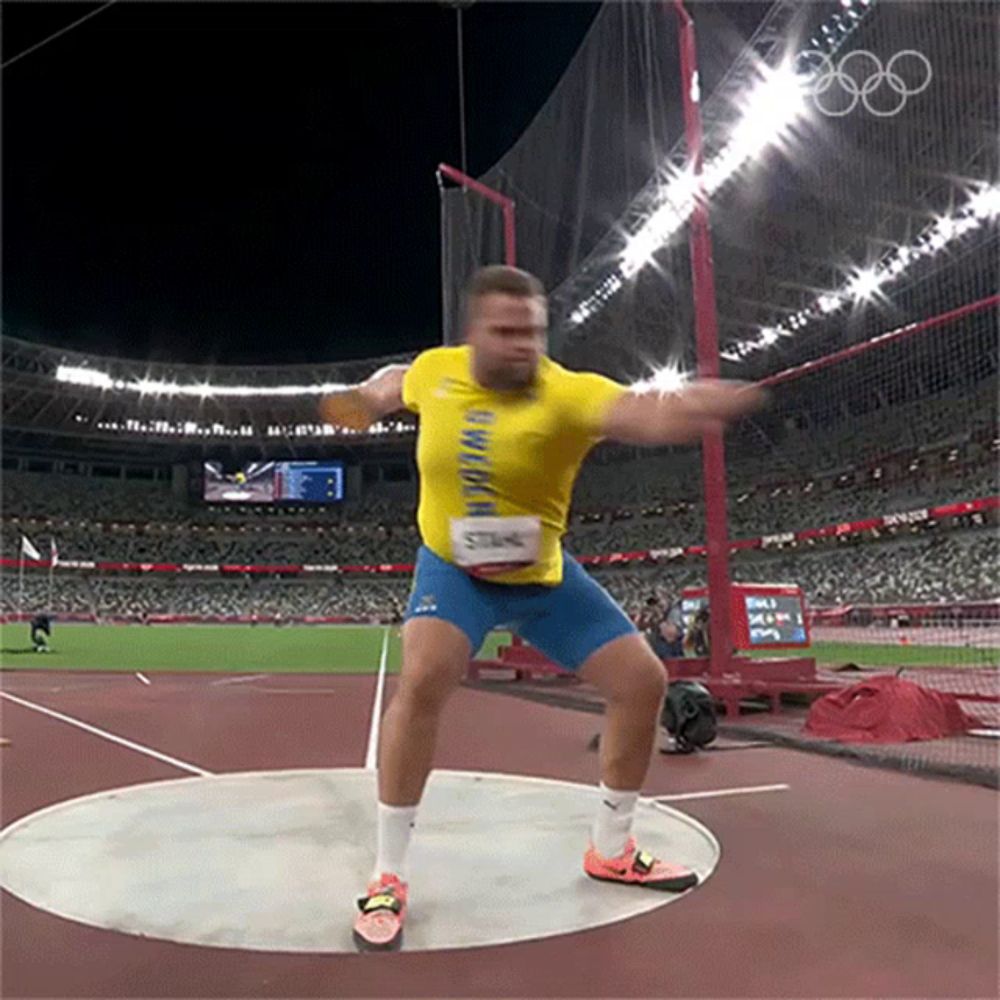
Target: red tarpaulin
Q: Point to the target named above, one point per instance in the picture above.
(887, 709)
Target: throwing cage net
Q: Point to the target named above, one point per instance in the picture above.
(851, 179)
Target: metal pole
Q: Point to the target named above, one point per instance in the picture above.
(817, 364)
(707, 340)
(510, 250)
(490, 194)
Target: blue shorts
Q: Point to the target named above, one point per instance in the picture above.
(567, 623)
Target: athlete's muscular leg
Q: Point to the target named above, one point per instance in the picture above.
(632, 681)
(435, 658)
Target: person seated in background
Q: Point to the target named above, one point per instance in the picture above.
(648, 616)
(666, 630)
(698, 641)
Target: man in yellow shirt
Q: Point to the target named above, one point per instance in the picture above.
(503, 432)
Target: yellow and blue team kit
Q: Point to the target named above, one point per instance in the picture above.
(497, 470)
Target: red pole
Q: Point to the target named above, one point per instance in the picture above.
(881, 340)
(707, 339)
(506, 205)
(510, 255)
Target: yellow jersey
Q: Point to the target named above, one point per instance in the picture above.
(502, 454)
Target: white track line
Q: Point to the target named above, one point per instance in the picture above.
(308, 691)
(237, 680)
(371, 756)
(104, 734)
(143, 678)
(718, 793)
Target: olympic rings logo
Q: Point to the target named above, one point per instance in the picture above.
(859, 76)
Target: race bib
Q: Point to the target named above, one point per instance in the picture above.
(484, 546)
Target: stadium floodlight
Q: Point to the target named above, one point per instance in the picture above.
(986, 203)
(770, 109)
(864, 284)
(193, 428)
(83, 376)
(95, 379)
(154, 387)
(773, 106)
(676, 203)
(668, 378)
(980, 208)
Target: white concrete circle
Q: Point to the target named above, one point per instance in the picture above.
(273, 861)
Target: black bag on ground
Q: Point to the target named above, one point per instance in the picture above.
(689, 715)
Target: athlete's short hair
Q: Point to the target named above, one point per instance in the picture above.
(503, 280)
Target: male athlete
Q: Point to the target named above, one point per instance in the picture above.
(503, 431)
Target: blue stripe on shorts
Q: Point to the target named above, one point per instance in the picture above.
(567, 623)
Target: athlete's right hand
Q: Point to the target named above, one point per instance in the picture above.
(348, 409)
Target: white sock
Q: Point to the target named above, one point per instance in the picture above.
(613, 823)
(394, 830)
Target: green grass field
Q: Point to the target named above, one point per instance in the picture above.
(215, 648)
(892, 655)
(339, 649)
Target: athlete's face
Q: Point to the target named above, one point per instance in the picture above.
(508, 335)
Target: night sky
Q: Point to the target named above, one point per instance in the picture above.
(240, 183)
(250, 183)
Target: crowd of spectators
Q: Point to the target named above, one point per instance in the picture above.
(958, 566)
(954, 566)
(92, 520)
(906, 458)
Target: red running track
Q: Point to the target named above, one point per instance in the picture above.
(854, 882)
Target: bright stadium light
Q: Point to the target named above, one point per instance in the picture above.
(668, 378)
(986, 203)
(677, 201)
(943, 231)
(771, 107)
(769, 110)
(193, 428)
(94, 379)
(864, 284)
(83, 376)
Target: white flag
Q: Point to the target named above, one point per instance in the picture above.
(55, 553)
(29, 550)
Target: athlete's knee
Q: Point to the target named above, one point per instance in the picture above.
(645, 680)
(435, 657)
(629, 671)
(427, 686)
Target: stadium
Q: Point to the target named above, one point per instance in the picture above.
(197, 534)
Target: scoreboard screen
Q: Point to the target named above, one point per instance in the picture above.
(762, 615)
(275, 483)
(309, 482)
(774, 619)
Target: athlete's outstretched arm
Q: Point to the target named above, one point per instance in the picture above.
(681, 417)
(359, 406)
